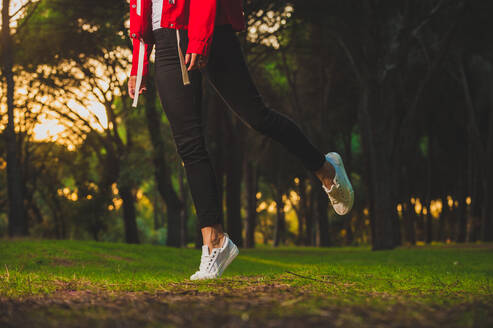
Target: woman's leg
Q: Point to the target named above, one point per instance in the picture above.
(229, 74)
(186, 124)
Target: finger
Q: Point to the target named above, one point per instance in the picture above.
(187, 59)
(193, 58)
(131, 87)
(192, 62)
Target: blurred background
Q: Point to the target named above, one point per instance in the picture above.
(403, 90)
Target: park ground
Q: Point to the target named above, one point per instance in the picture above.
(46, 283)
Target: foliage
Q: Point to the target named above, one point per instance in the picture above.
(399, 90)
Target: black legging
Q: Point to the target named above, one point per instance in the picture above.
(229, 75)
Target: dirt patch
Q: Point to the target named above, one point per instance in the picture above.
(56, 261)
(259, 305)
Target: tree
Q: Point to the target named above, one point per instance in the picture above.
(474, 62)
(381, 40)
(17, 218)
(79, 70)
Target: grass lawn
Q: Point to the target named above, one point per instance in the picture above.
(72, 284)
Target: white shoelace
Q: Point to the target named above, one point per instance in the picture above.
(336, 192)
(206, 261)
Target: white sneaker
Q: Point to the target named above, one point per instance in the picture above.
(341, 193)
(213, 265)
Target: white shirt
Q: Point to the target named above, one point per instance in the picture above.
(157, 12)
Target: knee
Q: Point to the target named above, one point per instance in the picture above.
(192, 149)
(267, 121)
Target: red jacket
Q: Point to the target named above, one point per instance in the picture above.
(197, 16)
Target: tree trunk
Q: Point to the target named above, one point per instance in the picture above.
(310, 231)
(322, 205)
(442, 230)
(349, 230)
(487, 212)
(162, 172)
(462, 224)
(184, 216)
(475, 210)
(348, 166)
(481, 73)
(429, 227)
(410, 217)
(382, 211)
(302, 221)
(384, 214)
(17, 219)
(429, 182)
(487, 221)
(157, 218)
(234, 175)
(280, 227)
(365, 141)
(56, 211)
(101, 201)
(126, 186)
(396, 226)
(129, 218)
(251, 198)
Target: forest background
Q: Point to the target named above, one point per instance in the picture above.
(403, 90)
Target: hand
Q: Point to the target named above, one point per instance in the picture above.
(131, 86)
(196, 61)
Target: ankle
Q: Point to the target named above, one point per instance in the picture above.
(213, 236)
(326, 174)
(217, 242)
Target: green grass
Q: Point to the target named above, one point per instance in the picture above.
(73, 283)
(351, 274)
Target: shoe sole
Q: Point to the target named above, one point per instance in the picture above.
(232, 255)
(345, 176)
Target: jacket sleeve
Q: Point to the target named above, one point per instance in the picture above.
(201, 25)
(135, 57)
